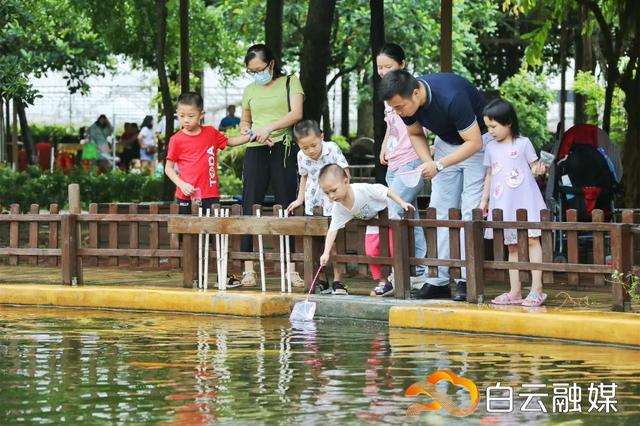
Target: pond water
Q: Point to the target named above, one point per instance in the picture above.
(94, 367)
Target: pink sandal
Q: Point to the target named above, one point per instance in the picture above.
(506, 299)
(534, 299)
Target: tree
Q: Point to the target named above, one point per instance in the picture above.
(273, 26)
(617, 26)
(377, 40)
(314, 58)
(37, 36)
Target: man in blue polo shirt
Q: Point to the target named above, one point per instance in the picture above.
(230, 121)
(450, 107)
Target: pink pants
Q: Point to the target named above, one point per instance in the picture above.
(372, 248)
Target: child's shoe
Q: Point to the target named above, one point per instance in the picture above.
(248, 279)
(534, 299)
(233, 282)
(323, 287)
(296, 280)
(384, 288)
(338, 288)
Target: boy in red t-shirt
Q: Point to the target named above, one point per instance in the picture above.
(194, 150)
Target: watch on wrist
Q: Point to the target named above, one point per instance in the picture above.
(439, 166)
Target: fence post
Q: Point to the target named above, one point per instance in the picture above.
(401, 266)
(599, 255)
(94, 235)
(454, 243)
(33, 233)
(134, 234)
(14, 235)
(498, 243)
(74, 198)
(70, 268)
(383, 232)
(189, 260)
(154, 237)
(573, 279)
(113, 234)
(174, 239)
(621, 250)
(53, 234)
(474, 250)
(547, 246)
(312, 249)
(431, 235)
(523, 245)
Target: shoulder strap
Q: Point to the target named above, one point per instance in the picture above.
(288, 84)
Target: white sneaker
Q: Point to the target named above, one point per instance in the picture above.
(418, 282)
(296, 279)
(248, 279)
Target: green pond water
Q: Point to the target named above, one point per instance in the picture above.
(64, 366)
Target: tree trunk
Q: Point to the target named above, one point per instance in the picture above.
(167, 104)
(326, 123)
(584, 57)
(612, 80)
(3, 134)
(564, 39)
(376, 37)
(184, 46)
(314, 59)
(446, 35)
(344, 105)
(273, 26)
(630, 84)
(25, 132)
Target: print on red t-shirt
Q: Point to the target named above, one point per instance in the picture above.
(197, 159)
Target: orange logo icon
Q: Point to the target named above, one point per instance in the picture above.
(441, 399)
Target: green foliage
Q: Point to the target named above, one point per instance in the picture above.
(37, 36)
(36, 187)
(586, 84)
(630, 283)
(530, 97)
(54, 133)
(342, 142)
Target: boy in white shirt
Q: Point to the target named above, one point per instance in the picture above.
(314, 154)
(359, 200)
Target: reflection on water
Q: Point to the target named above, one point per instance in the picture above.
(90, 367)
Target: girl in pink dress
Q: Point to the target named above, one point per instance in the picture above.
(509, 185)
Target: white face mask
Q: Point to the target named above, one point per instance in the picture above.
(262, 77)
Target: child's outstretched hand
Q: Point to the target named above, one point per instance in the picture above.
(324, 259)
(294, 205)
(407, 207)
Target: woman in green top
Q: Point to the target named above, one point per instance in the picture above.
(269, 111)
(98, 143)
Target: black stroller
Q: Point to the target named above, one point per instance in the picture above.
(584, 176)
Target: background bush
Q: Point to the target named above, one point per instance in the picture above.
(43, 188)
(530, 96)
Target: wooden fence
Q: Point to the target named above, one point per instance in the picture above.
(137, 236)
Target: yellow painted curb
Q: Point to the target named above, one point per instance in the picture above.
(251, 304)
(592, 326)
